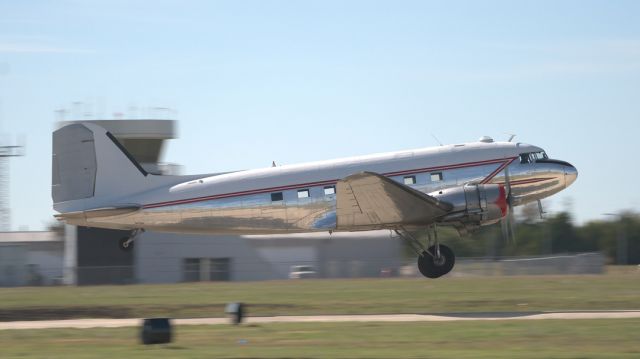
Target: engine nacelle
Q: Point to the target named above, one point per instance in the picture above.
(478, 204)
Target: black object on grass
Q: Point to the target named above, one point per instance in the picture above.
(156, 331)
(235, 311)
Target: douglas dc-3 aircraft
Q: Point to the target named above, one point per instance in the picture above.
(97, 183)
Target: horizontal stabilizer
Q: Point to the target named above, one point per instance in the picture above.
(371, 199)
(98, 213)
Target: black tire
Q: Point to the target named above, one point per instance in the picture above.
(431, 268)
(122, 243)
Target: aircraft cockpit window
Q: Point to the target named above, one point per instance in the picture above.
(533, 157)
(329, 190)
(276, 197)
(436, 177)
(539, 156)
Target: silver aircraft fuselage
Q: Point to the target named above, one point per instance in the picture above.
(302, 198)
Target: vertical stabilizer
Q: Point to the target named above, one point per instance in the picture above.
(90, 168)
(73, 164)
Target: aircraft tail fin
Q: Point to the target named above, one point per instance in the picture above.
(90, 167)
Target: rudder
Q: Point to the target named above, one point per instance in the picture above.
(73, 164)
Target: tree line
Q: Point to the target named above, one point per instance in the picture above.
(618, 238)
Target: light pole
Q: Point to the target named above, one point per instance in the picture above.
(621, 240)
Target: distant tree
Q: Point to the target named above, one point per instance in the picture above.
(562, 234)
(555, 234)
(57, 227)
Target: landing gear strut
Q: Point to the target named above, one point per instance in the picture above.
(126, 243)
(434, 261)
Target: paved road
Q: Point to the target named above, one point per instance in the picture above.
(117, 323)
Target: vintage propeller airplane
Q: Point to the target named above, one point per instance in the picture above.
(97, 183)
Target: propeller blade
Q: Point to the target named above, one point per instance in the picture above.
(540, 210)
(508, 222)
(505, 230)
(512, 225)
(507, 184)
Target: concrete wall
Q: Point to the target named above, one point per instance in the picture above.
(160, 257)
(12, 265)
(47, 263)
(99, 258)
(365, 254)
(31, 263)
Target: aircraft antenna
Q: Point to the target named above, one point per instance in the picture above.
(437, 140)
(511, 136)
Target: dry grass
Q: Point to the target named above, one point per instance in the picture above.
(618, 290)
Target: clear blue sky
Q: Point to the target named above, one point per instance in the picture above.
(292, 81)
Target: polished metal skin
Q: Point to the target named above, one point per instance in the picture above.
(477, 204)
(303, 198)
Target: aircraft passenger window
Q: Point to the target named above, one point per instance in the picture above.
(436, 177)
(277, 196)
(524, 158)
(303, 193)
(410, 180)
(329, 190)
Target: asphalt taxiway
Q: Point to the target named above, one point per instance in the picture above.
(132, 322)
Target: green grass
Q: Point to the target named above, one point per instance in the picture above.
(499, 339)
(618, 290)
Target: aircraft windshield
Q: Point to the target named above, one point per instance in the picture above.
(539, 155)
(533, 157)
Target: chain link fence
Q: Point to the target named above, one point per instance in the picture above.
(226, 269)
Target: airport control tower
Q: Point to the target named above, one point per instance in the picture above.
(92, 255)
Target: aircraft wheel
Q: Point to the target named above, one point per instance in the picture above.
(125, 244)
(433, 268)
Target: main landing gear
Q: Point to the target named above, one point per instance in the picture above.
(434, 261)
(126, 243)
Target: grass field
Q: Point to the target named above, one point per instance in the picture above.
(618, 290)
(500, 339)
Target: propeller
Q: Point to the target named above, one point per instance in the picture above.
(508, 222)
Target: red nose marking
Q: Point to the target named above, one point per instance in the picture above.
(501, 202)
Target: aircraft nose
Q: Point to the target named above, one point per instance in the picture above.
(570, 175)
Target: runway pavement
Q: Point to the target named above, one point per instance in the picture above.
(131, 322)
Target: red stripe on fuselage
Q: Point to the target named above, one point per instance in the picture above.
(494, 173)
(527, 181)
(241, 193)
(332, 182)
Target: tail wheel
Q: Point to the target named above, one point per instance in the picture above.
(431, 267)
(125, 244)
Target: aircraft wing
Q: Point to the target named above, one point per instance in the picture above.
(371, 199)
